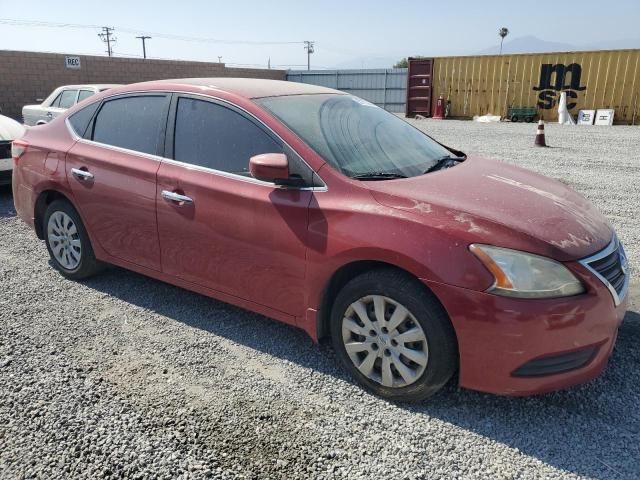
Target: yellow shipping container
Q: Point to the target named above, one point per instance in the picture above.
(490, 84)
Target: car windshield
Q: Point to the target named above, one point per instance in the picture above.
(356, 137)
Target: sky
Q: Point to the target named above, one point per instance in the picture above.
(356, 34)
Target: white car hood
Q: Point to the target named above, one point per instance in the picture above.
(10, 129)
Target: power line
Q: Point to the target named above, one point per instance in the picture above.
(106, 37)
(167, 36)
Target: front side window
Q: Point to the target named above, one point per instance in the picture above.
(355, 136)
(131, 122)
(68, 98)
(210, 135)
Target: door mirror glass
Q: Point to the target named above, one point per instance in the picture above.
(270, 167)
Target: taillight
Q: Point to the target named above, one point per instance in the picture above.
(18, 148)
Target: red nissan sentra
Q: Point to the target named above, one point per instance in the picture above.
(323, 211)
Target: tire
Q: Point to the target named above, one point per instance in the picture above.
(514, 118)
(529, 119)
(80, 261)
(397, 289)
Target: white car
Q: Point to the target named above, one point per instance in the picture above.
(59, 100)
(9, 131)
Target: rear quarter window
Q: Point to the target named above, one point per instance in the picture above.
(80, 120)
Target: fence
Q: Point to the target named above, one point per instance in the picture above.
(386, 88)
(26, 76)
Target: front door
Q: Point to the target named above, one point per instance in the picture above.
(219, 227)
(112, 173)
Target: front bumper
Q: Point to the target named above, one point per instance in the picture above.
(499, 338)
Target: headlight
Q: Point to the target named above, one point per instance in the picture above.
(525, 275)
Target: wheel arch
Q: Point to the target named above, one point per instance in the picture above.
(346, 273)
(45, 198)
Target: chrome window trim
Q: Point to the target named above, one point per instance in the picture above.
(79, 139)
(235, 176)
(614, 245)
(190, 166)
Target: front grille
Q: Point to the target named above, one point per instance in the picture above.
(610, 266)
(5, 149)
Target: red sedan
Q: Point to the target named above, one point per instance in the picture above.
(323, 211)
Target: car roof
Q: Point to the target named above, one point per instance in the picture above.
(247, 87)
(99, 86)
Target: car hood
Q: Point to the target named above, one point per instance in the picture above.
(497, 203)
(10, 129)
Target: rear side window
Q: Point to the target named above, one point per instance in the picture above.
(84, 94)
(80, 120)
(131, 122)
(68, 98)
(213, 136)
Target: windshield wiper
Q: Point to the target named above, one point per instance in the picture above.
(377, 176)
(444, 162)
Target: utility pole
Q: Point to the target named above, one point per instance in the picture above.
(144, 46)
(106, 37)
(219, 58)
(308, 46)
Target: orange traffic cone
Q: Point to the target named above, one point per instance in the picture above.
(540, 141)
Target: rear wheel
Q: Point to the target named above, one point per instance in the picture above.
(67, 241)
(393, 336)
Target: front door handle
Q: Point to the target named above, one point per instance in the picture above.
(176, 197)
(49, 114)
(81, 174)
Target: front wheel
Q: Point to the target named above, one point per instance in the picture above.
(67, 241)
(393, 336)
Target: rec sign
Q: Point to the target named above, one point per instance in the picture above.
(72, 62)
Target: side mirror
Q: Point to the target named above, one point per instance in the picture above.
(271, 167)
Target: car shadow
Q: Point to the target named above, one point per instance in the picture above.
(592, 430)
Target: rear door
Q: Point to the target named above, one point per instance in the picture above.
(112, 173)
(234, 234)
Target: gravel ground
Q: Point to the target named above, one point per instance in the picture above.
(124, 376)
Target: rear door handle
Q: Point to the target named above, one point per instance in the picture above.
(81, 174)
(176, 197)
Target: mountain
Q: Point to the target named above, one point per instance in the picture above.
(370, 62)
(528, 44)
(614, 44)
(531, 44)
